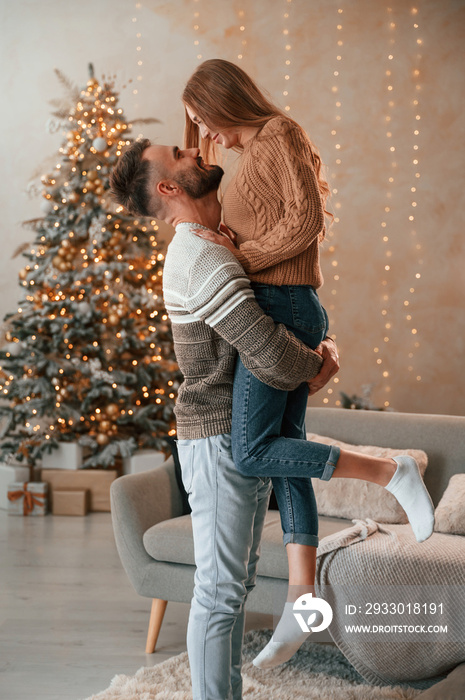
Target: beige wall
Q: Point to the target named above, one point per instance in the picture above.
(369, 178)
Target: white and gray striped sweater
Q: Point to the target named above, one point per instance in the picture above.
(214, 314)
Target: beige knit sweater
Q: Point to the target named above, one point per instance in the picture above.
(274, 205)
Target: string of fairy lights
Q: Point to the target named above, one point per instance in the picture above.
(287, 53)
(196, 28)
(388, 312)
(135, 19)
(381, 350)
(335, 202)
(242, 35)
(415, 176)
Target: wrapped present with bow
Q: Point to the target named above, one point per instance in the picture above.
(27, 498)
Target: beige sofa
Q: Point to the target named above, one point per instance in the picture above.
(154, 537)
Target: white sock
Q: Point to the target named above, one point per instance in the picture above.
(408, 487)
(286, 640)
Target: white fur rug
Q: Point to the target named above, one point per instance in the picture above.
(317, 672)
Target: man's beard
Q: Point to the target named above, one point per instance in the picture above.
(198, 183)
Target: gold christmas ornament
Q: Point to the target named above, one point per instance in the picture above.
(92, 175)
(113, 319)
(112, 409)
(105, 425)
(73, 197)
(102, 439)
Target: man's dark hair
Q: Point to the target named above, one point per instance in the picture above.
(130, 180)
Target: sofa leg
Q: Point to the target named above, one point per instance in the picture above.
(156, 619)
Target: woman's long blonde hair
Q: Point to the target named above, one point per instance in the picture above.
(222, 94)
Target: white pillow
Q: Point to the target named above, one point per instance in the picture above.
(354, 498)
(449, 516)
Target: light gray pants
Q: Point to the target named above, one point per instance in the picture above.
(228, 512)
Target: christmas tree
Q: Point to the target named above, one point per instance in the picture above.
(89, 353)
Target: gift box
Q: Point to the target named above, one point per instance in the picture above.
(142, 461)
(8, 475)
(68, 455)
(70, 502)
(27, 498)
(97, 481)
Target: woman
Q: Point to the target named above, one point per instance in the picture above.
(274, 211)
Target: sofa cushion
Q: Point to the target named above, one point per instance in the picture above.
(449, 516)
(358, 499)
(171, 541)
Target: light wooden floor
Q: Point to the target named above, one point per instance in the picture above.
(69, 618)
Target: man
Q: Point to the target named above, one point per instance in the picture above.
(214, 315)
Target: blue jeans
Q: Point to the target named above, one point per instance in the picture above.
(268, 427)
(228, 512)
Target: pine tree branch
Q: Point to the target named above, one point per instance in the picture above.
(24, 246)
(60, 113)
(30, 222)
(64, 80)
(71, 87)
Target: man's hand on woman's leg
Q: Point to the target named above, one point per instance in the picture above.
(328, 351)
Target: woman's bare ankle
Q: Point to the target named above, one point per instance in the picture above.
(386, 472)
(294, 591)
